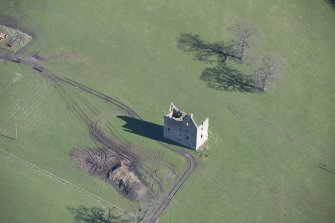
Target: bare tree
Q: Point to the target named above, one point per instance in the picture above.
(245, 35)
(266, 70)
(143, 210)
(95, 215)
(224, 76)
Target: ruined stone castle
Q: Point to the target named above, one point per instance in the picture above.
(181, 128)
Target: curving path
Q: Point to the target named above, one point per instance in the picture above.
(190, 160)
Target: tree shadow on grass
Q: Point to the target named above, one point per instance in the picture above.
(331, 2)
(226, 78)
(95, 215)
(222, 76)
(217, 52)
(146, 129)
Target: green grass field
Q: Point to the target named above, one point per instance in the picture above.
(265, 150)
(29, 196)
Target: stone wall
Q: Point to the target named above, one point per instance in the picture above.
(202, 133)
(183, 132)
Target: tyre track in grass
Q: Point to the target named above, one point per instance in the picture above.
(190, 166)
(190, 160)
(97, 134)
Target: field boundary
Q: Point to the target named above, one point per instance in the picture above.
(65, 182)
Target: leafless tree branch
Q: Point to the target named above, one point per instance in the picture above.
(244, 37)
(266, 70)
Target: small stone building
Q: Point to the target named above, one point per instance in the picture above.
(181, 128)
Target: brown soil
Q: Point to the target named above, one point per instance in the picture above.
(108, 165)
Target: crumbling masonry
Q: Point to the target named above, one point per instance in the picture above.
(181, 128)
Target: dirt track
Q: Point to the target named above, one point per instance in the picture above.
(98, 134)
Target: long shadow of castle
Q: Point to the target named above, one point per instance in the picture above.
(179, 129)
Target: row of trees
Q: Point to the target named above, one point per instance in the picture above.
(84, 214)
(227, 56)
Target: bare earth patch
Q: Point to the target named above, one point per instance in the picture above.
(111, 168)
(12, 40)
